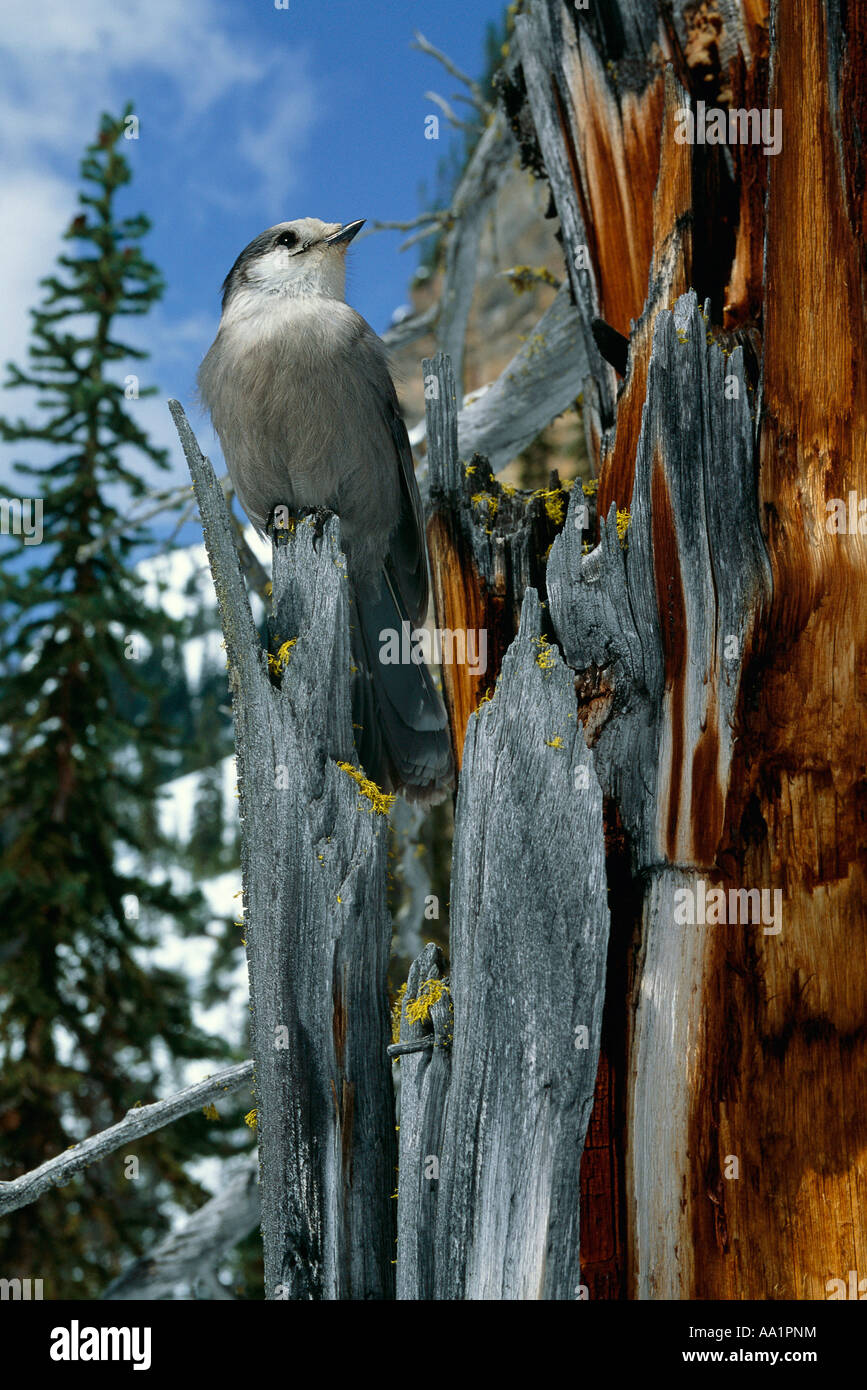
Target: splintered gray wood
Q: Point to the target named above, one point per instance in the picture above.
(470, 207)
(695, 555)
(529, 933)
(136, 1123)
(662, 631)
(542, 380)
(499, 549)
(185, 1263)
(424, 1080)
(315, 918)
(543, 35)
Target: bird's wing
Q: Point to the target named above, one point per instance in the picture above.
(406, 564)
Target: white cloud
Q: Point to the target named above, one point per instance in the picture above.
(63, 63)
(84, 45)
(230, 109)
(269, 147)
(34, 210)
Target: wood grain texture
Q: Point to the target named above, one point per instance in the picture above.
(529, 926)
(656, 617)
(471, 206)
(317, 929)
(670, 266)
(424, 1082)
(539, 36)
(543, 379)
(186, 1263)
(663, 631)
(788, 1093)
(487, 546)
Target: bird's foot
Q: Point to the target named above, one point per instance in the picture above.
(283, 520)
(319, 516)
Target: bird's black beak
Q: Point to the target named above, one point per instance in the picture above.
(345, 234)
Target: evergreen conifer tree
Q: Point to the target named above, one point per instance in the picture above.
(88, 1022)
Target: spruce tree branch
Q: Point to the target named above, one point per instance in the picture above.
(138, 1122)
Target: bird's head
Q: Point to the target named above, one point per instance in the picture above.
(306, 257)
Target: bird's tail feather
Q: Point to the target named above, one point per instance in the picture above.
(401, 727)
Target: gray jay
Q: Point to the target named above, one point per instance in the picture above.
(298, 389)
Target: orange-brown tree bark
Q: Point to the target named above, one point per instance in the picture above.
(738, 1142)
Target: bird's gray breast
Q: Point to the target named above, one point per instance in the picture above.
(299, 396)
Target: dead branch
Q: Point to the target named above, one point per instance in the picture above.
(449, 113)
(166, 499)
(139, 1121)
(424, 46)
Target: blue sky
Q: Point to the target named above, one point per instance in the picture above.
(248, 114)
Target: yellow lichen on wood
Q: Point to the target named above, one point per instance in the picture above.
(380, 801)
(545, 655)
(555, 502)
(492, 502)
(418, 1009)
(526, 277)
(277, 664)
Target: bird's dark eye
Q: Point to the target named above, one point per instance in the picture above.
(288, 239)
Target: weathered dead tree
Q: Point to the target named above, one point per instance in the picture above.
(139, 1121)
(494, 1110)
(317, 929)
(718, 655)
(655, 990)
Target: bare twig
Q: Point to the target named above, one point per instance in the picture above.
(424, 46)
(186, 515)
(420, 236)
(164, 500)
(461, 96)
(409, 329)
(138, 1122)
(449, 114)
(439, 217)
(168, 500)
